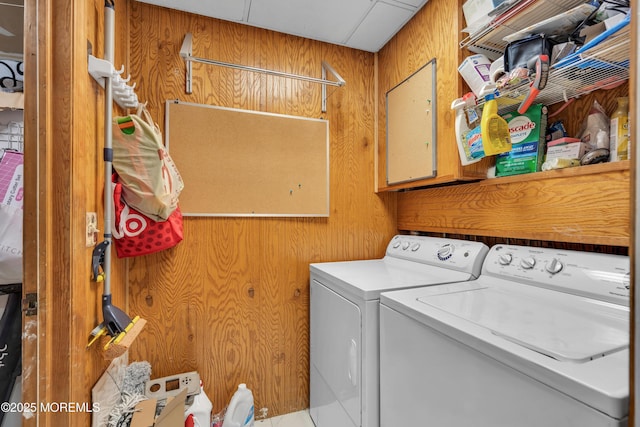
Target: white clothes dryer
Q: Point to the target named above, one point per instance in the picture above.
(541, 338)
(344, 360)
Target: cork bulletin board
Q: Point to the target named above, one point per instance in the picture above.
(247, 163)
(411, 127)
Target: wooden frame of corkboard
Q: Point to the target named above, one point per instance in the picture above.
(411, 127)
(247, 163)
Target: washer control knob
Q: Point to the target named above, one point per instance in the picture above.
(445, 252)
(626, 281)
(505, 259)
(554, 267)
(528, 263)
(405, 246)
(396, 244)
(415, 247)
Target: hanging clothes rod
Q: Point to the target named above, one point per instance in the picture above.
(187, 54)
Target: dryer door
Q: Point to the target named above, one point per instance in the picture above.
(336, 357)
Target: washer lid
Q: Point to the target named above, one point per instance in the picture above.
(560, 326)
(366, 279)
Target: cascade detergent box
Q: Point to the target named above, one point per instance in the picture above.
(527, 142)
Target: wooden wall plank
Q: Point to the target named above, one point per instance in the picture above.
(589, 209)
(31, 382)
(232, 300)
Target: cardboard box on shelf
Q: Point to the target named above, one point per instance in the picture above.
(475, 70)
(528, 142)
(172, 415)
(566, 148)
(473, 10)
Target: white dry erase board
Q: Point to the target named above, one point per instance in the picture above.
(247, 163)
(411, 127)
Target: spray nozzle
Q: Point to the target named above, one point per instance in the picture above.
(488, 91)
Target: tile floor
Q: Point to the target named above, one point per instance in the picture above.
(295, 419)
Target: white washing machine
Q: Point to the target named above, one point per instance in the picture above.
(344, 368)
(540, 339)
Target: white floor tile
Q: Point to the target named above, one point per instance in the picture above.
(263, 423)
(295, 419)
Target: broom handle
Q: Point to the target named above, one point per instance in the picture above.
(109, 36)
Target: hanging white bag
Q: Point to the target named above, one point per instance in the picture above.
(10, 244)
(150, 179)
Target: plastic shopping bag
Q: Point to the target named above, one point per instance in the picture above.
(10, 244)
(150, 179)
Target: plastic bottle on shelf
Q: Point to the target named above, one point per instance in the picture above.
(240, 411)
(200, 409)
(496, 137)
(462, 128)
(619, 131)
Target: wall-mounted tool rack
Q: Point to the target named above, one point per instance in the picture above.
(122, 93)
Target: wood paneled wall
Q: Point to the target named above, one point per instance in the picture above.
(232, 300)
(433, 33)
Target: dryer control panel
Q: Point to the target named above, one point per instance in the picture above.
(460, 255)
(595, 275)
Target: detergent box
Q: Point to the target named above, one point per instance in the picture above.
(566, 148)
(527, 142)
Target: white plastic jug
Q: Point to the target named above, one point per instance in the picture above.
(201, 409)
(240, 410)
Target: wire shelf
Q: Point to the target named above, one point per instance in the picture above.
(12, 136)
(603, 66)
(520, 15)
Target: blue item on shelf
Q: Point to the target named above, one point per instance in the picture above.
(575, 57)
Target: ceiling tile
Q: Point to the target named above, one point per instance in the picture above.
(413, 3)
(223, 9)
(361, 24)
(327, 20)
(380, 24)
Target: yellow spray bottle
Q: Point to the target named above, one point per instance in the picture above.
(496, 138)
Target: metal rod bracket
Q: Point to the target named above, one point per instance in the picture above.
(186, 52)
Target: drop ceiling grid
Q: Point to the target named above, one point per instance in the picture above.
(330, 20)
(359, 24)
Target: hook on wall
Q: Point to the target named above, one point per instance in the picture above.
(122, 93)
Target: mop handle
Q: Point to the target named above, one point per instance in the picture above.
(109, 27)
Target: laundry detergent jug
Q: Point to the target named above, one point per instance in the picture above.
(240, 410)
(200, 410)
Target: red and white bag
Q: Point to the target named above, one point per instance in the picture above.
(135, 234)
(150, 179)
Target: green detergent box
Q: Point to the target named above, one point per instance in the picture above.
(528, 142)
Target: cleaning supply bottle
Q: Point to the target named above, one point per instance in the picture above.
(462, 128)
(496, 138)
(200, 409)
(619, 131)
(240, 410)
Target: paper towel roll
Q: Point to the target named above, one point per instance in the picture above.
(496, 70)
